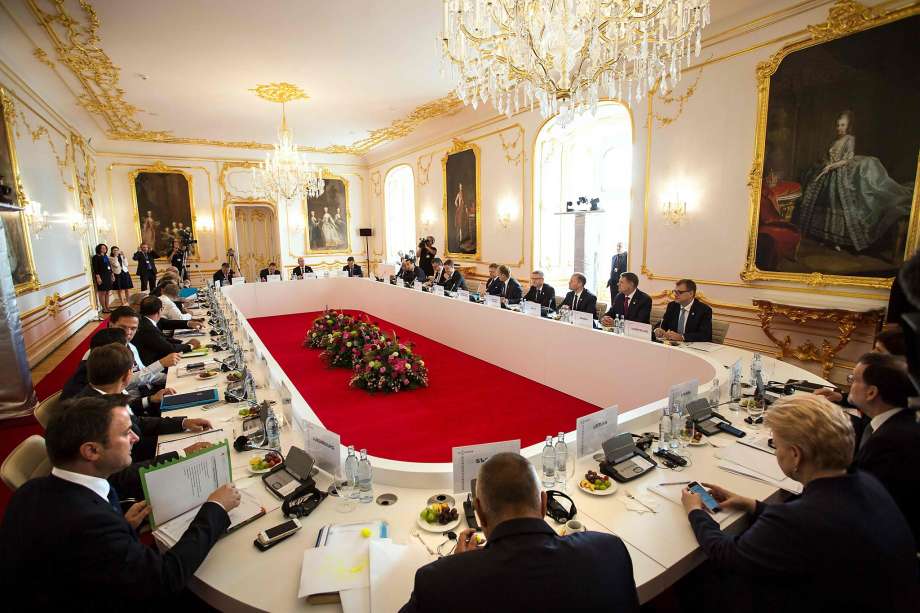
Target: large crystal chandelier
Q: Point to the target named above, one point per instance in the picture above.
(566, 54)
(285, 173)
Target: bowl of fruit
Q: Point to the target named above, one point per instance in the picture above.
(208, 374)
(234, 376)
(260, 463)
(438, 517)
(247, 412)
(597, 484)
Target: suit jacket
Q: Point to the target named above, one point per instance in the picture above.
(438, 277)
(263, 274)
(513, 291)
(299, 272)
(794, 552)
(640, 307)
(454, 282)
(409, 278)
(152, 344)
(617, 267)
(892, 455)
(146, 262)
(587, 303)
(546, 296)
(91, 553)
(355, 272)
(219, 276)
(699, 321)
(523, 567)
(494, 287)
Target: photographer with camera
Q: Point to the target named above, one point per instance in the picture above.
(426, 253)
(180, 250)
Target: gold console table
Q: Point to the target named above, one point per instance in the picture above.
(846, 321)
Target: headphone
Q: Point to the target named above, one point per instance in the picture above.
(302, 501)
(556, 510)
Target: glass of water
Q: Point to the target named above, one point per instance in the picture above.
(344, 488)
(756, 408)
(687, 430)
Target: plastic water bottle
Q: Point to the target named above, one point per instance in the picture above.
(351, 471)
(677, 420)
(272, 431)
(365, 486)
(757, 375)
(549, 464)
(714, 394)
(562, 456)
(664, 430)
(734, 393)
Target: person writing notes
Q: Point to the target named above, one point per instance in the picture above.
(453, 280)
(630, 303)
(541, 292)
(410, 273)
(579, 298)
(685, 318)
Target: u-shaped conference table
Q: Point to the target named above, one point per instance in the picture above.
(632, 373)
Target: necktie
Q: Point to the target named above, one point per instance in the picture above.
(504, 289)
(625, 306)
(539, 292)
(682, 321)
(865, 436)
(575, 303)
(113, 501)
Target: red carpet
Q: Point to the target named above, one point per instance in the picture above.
(468, 401)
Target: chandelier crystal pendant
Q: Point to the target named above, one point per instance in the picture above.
(564, 55)
(285, 173)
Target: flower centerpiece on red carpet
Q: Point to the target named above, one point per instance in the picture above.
(389, 366)
(319, 334)
(344, 346)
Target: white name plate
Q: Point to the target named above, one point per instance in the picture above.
(593, 429)
(324, 446)
(532, 308)
(417, 285)
(684, 393)
(274, 278)
(637, 329)
(463, 294)
(468, 459)
(309, 275)
(239, 280)
(437, 290)
(585, 320)
(493, 301)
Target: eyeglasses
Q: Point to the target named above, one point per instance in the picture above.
(681, 291)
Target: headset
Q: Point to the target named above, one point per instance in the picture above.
(302, 501)
(556, 510)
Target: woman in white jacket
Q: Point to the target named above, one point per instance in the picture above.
(169, 296)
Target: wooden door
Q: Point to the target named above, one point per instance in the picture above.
(257, 234)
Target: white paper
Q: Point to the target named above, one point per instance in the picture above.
(493, 301)
(178, 445)
(467, 460)
(758, 441)
(673, 494)
(172, 531)
(593, 429)
(753, 459)
(437, 290)
(791, 486)
(637, 329)
(463, 295)
(532, 308)
(333, 568)
(704, 346)
(584, 320)
(324, 446)
(174, 489)
(357, 601)
(392, 573)
(685, 393)
(238, 280)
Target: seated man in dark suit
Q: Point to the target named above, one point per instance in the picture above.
(511, 288)
(630, 303)
(266, 272)
(541, 292)
(224, 276)
(77, 381)
(686, 318)
(150, 341)
(889, 447)
(493, 283)
(68, 528)
(437, 273)
(410, 273)
(525, 561)
(353, 269)
(579, 298)
(453, 280)
(300, 270)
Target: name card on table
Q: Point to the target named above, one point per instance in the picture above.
(468, 459)
(593, 429)
(417, 285)
(324, 446)
(274, 278)
(532, 308)
(343, 273)
(309, 275)
(493, 301)
(239, 280)
(637, 329)
(684, 393)
(437, 290)
(585, 320)
(463, 294)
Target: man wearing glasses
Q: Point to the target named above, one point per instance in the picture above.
(686, 319)
(541, 292)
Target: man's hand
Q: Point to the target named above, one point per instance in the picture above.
(196, 447)
(170, 359)
(195, 324)
(466, 541)
(158, 396)
(691, 501)
(226, 496)
(607, 321)
(195, 423)
(832, 395)
(671, 335)
(659, 333)
(137, 513)
(194, 343)
(730, 500)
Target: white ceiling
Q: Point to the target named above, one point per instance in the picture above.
(364, 63)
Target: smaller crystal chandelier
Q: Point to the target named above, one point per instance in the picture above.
(285, 173)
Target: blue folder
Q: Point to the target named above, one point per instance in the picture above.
(191, 399)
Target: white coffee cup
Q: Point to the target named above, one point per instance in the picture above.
(573, 525)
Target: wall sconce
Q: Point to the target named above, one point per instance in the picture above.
(205, 223)
(78, 223)
(506, 214)
(675, 211)
(296, 219)
(103, 226)
(37, 218)
(427, 219)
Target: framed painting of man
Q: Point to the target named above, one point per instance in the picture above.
(462, 201)
(835, 179)
(328, 218)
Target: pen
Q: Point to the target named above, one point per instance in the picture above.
(676, 483)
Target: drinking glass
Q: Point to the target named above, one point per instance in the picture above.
(687, 430)
(344, 489)
(256, 435)
(756, 408)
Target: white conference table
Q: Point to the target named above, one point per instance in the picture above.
(236, 576)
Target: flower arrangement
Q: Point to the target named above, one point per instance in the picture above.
(345, 346)
(389, 366)
(323, 326)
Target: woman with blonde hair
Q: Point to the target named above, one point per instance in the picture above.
(843, 545)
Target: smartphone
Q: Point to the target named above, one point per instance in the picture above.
(708, 501)
(281, 531)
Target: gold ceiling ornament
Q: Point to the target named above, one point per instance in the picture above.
(448, 105)
(279, 92)
(42, 57)
(509, 147)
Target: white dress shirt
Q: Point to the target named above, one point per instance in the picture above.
(97, 484)
(171, 311)
(881, 418)
(145, 375)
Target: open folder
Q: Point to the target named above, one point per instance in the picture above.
(175, 490)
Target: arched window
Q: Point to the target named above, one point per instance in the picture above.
(591, 157)
(399, 204)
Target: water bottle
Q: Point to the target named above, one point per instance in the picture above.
(272, 431)
(734, 393)
(351, 471)
(562, 456)
(677, 421)
(757, 375)
(664, 430)
(365, 487)
(549, 464)
(714, 394)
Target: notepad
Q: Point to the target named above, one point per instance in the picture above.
(339, 562)
(248, 510)
(178, 445)
(190, 399)
(195, 353)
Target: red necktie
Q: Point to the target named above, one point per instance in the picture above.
(625, 306)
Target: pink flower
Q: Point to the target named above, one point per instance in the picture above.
(382, 369)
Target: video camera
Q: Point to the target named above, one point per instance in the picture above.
(185, 237)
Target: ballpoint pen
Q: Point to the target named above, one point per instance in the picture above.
(675, 483)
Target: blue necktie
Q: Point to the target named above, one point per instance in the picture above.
(113, 501)
(682, 321)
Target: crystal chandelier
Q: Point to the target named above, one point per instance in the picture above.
(566, 54)
(285, 173)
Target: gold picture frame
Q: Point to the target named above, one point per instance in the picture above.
(845, 17)
(313, 205)
(459, 147)
(30, 281)
(159, 167)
